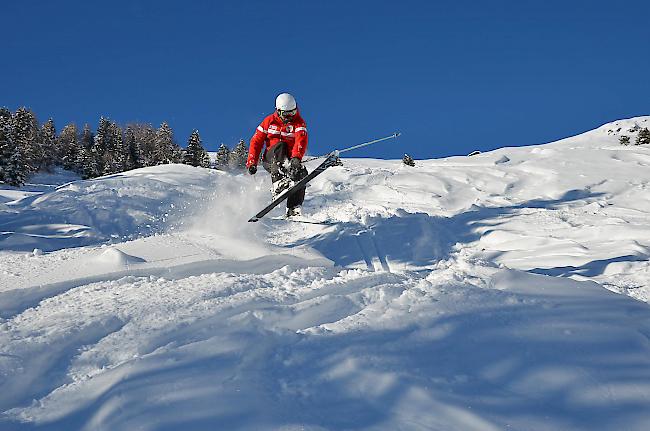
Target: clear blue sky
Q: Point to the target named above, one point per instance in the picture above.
(453, 76)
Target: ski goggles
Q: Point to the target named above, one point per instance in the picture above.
(289, 113)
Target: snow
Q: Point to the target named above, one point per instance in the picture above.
(114, 258)
(507, 290)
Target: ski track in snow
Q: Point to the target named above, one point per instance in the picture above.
(463, 294)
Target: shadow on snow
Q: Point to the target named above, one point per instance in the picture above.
(417, 240)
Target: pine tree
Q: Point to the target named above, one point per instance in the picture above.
(222, 157)
(145, 138)
(195, 154)
(166, 149)
(176, 153)
(408, 160)
(6, 141)
(115, 154)
(17, 170)
(624, 140)
(101, 143)
(50, 153)
(238, 156)
(164, 139)
(87, 137)
(26, 140)
(643, 138)
(205, 160)
(133, 152)
(86, 163)
(68, 147)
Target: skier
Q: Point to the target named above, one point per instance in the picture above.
(285, 134)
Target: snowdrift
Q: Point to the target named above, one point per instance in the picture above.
(506, 290)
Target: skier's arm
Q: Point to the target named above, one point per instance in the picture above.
(300, 146)
(257, 142)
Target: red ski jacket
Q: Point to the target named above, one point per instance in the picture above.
(272, 130)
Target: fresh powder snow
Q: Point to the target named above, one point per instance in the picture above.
(506, 290)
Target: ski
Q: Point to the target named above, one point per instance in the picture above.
(331, 160)
(303, 220)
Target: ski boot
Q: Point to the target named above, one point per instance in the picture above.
(280, 186)
(294, 212)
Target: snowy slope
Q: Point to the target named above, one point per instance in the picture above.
(506, 290)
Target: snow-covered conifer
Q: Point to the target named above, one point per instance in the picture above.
(195, 154)
(6, 142)
(101, 143)
(115, 154)
(68, 147)
(87, 137)
(26, 139)
(17, 170)
(145, 138)
(408, 160)
(176, 153)
(87, 163)
(5, 112)
(624, 140)
(133, 152)
(643, 138)
(222, 157)
(50, 152)
(166, 149)
(205, 160)
(238, 156)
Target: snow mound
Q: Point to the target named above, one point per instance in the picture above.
(114, 257)
(123, 206)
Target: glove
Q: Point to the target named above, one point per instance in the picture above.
(295, 168)
(252, 169)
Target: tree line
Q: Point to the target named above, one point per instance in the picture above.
(642, 137)
(26, 147)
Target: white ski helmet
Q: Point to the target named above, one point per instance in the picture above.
(285, 102)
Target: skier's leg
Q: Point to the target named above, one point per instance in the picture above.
(273, 162)
(297, 198)
(274, 159)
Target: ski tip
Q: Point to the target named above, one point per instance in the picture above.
(253, 219)
(397, 134)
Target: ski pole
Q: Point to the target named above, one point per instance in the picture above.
(365, 144)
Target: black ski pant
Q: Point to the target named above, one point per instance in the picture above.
(274, 162)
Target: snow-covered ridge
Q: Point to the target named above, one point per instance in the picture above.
(608, 135)
(473, 293)
(629, 127)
